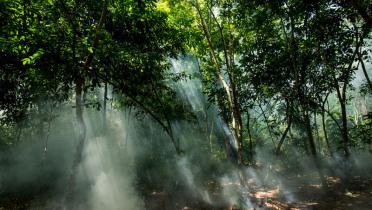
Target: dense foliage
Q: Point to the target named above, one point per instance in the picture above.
(281, 74)
(254, 56)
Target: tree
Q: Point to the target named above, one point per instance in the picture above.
(52, 48)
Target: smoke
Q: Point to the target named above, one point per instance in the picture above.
(129, 162)
(109, 163)
(106, 177)
(26, 169)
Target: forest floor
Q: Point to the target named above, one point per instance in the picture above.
(357, 196)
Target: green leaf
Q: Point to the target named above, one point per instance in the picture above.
(90, 49)
(26, 61)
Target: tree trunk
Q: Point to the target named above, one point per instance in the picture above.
(81, 137)
(317, 133)
(310, 134)
(104, 107)
(289, 122)
(250, 138)
(238, 129)
(345, 136)
(325, 132)
(229, 88)
(365, 71)
(283, 136)
(79, 83)
(231, 153)
(314, 155)
(344, 130)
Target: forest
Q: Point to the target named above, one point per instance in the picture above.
(185, 104)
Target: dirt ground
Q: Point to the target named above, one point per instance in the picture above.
(358, 196)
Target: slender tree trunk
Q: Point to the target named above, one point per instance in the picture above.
(229, 88)
(283, 137)
(238, 128)
(81, 136)
(289, 122)
(344, 129)
(365, 71)
(324, 127)
(104, 107)
(333, 117)
(231, 153)
(79, 84)
(325, 132)
(237, 122)
(345, 136)
(250, 138)
(309, 133)
(313, 148)
(317, 133)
